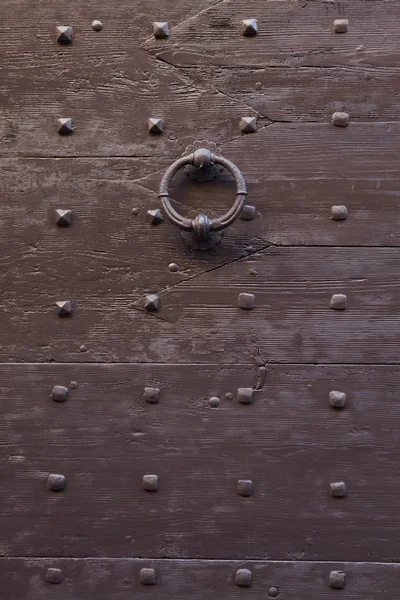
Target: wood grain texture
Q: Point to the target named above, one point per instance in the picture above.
(311, 94)
(291, 34)
(110, 105)
(24, 579)
(289, 442)
(199, 319)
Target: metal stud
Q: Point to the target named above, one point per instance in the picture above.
(337, 580)
(273, 592)
(160, 29)
(337, 399)
(214, 402)
(65, 126)
(340, 119)
(97, 25)
(244, 487)
(339, 213)
(249, 27)
(245, 395)
(55, 482)
(64, 308)
(150, 483)
(152, 303)
(63, 217)
(151, 395)
(340, 25)
(64, 34)
(54, 575)
(59, 393)
(246, 301)
(339, 302)
(155, 217)
(338, 489)
(148, 576)
(173, 268)
(248, 213)
(248, 124)
(243, 578)
(155, 125)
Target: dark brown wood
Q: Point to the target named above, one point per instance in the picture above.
(102, 578)
(200, 320)
(291, 34)
(181, 424)
(311, 94)
(289, 442)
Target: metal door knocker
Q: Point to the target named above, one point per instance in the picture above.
(203, 232)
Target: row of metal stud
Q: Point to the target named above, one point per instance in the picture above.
(152, 303)
(150, 482)
(243, 578)
(249, 28)
(64, 35)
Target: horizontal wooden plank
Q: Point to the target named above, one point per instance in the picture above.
(290, 34)
(289, 442)
(311, 94)
(200, 320)
(110, 106)
(25, 579)
(44, 81)
(26, 40)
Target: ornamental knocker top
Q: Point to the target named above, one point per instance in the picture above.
(203, 232)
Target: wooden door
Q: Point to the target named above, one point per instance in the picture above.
(162, 435)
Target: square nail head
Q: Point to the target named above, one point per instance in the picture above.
(245, 395)
(54, 575)
(337, 580)
(337, 399)
(148, 576)
(151, 395)
(246, 301)
(150, 483)
(340, 119)
(243, 578)
(56, 482)
(338, 489)
(339, 302)
(340, 25)
(244, 487)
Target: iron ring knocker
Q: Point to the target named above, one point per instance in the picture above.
(202, 227)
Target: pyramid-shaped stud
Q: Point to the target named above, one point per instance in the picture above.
(65, 126)
(64, 308)
(64, 34)
(156, 125)
(160, 29)
(248, 124)
(155, 217)
(152, 303)
(249, 27)
(63, 217)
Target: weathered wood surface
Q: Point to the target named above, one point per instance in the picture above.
(311, 94)
(294, 172)
(291, 34)
(125, 27)
(24, 579)
(110, 106)
(199, 320)
(289, 442)
(44, 81)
